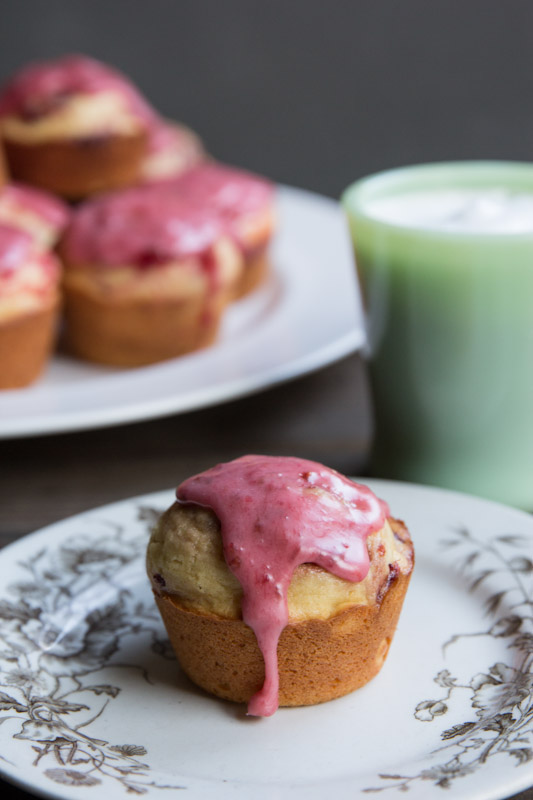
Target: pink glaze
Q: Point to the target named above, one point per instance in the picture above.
(15, 249)
(162, 138)
(40, 88)
(231, 193)
(144, 227)
(16, 252)
(275, 514)
(167, 137)
(46, 206)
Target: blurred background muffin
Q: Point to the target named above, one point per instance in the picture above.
(245, 205)
(40, 214)
(147, 277)
(74, 126)
(29, 305)
(4, 177)
(172, 149)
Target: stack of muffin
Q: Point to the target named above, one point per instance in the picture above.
(155, 243)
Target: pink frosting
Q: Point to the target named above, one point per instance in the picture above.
(15, 248)
(163, 137)
(16, 251)
(39, 88)
(167, 137)
(233, 194)
(49, 208)
(275, 514)
(143, 226)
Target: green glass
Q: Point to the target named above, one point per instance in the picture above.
(450, 338)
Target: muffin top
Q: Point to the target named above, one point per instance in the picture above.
(15, 248)
(28, 278)
(143, 227)
(73, 97)
(40, 214)
(172, 150)
(186, 559)
(42, 88)
(277, 539)
(238, 197)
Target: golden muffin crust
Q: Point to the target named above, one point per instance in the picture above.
(4, 177)
(76, 168)
(127, 317)
(26, 342)
(318, 659)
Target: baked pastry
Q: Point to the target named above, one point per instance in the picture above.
(147, 278)
(245, 204)
(279, 580)
(38, 213)
(74, 126)
(172, 150)
(29, 302)
(4, 177)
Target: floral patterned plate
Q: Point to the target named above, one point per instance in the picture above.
(92, 702)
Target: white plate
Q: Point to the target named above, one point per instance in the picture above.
(306, 316)
(91, 697)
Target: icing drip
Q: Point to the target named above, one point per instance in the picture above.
(275, 514)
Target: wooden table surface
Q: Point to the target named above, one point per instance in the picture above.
(324, 416)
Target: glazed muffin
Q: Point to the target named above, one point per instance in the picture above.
(74, 126)
(29, 303)
(279, 581)
(147, 278)
(245, 205)
(172, 150)
(38, 213)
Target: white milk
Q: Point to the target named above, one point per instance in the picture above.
(458, 210)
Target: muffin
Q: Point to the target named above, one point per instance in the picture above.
(74, 126)
(245, 204)
(4, 177)
(279, 581)
(147, 278)
(172, 150)
(29, 303)
(38, 213)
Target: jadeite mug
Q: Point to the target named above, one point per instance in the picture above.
(449, 313)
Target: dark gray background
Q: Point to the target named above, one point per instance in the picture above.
(309, 92)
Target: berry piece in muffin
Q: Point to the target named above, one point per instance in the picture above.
(279, 581)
